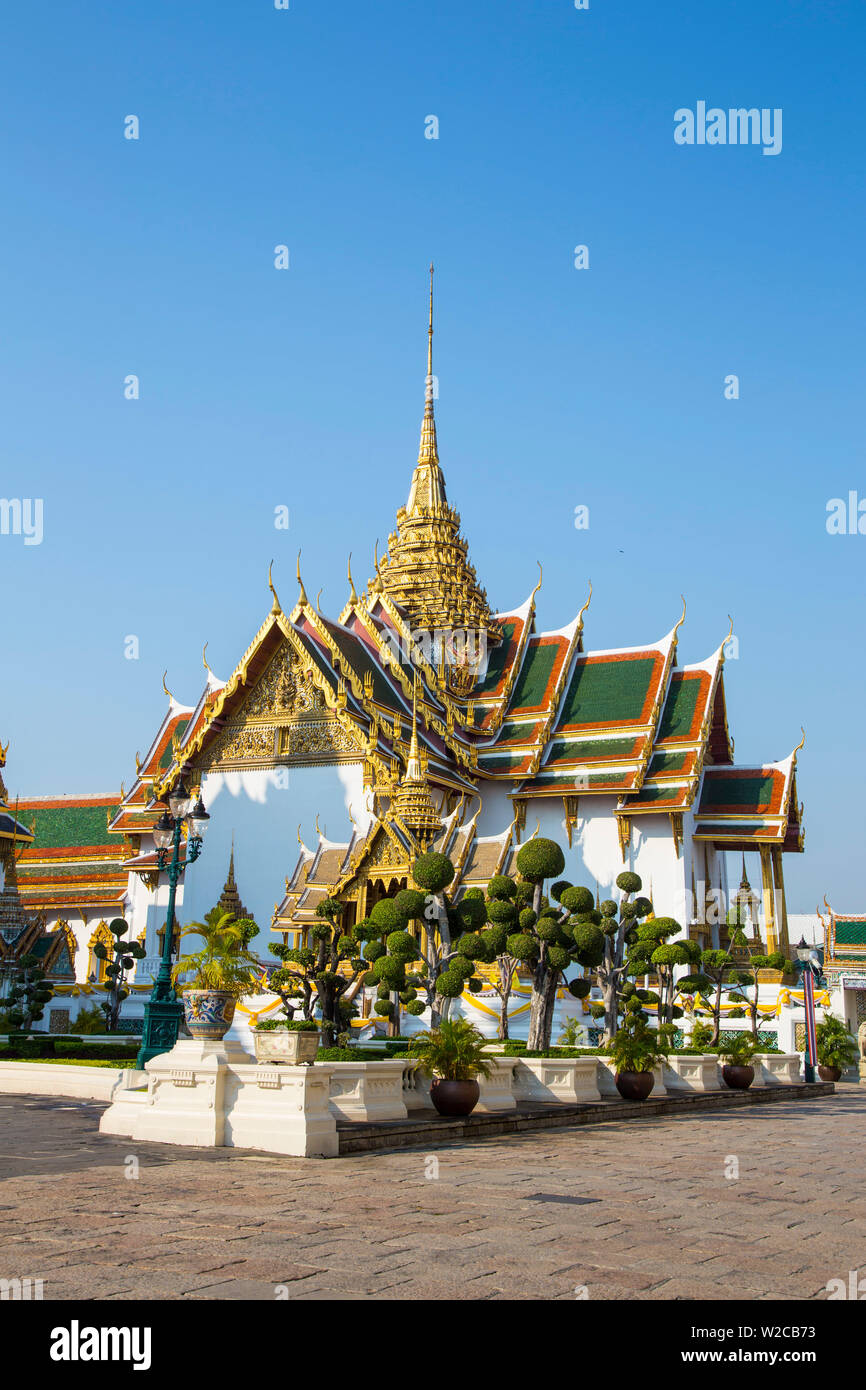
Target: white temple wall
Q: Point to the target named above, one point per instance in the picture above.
(663, 871)
(261, 811)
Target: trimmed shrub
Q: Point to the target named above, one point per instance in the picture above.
(540, 859)
(433, 872)
(577, 900)
(522, 946)
(403, 946)
(387, 916)
(410, 903)
(628, 882)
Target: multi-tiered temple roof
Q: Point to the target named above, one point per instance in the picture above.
(533, 714)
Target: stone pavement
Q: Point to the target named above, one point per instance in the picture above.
(639, 1211)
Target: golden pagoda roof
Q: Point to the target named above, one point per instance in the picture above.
(427, 571)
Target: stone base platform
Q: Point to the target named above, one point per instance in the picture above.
(427, 1129)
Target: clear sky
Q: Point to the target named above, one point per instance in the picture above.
(559, 387)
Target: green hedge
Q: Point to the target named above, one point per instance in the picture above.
(73, 1061)
(349, 1054)
(78, 1052)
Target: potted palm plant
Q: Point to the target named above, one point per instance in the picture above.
(213, 979)
(634, 1050)
(453, 1056)
(286, 1040)
(836, 1047)
(736, 1053)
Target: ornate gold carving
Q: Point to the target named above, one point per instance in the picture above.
(310, 738)
(284, 689)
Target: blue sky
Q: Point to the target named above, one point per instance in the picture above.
(558, 387)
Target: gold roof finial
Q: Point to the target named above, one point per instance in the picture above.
(275, 607)
(165, 687)
(585, 606)
(353, 597)
(682, 618)
(302, 596)
(730, 630)
(538, 585)
(318, 596)
(802, 742)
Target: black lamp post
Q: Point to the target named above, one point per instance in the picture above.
(809, 971)
(163, 1010)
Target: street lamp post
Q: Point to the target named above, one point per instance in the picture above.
(809, 969)
(163, 1010)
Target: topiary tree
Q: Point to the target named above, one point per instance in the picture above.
(29, 993)
(502, 914)
(652, 951)
(394, 949)
(453, 942)
(327, 974)
(434, 873)
(619, 927)
(120, 960)
(718, 972)
(747, 973)
(549, 939)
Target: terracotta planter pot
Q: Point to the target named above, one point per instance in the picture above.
(738, 1078)
(208, 1013)
(829, 1073)
(634, 1085)
(455, 1097)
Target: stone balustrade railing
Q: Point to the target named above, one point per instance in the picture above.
(207, 1094)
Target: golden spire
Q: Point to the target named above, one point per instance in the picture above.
(412, 802)
(426, 571)
(413, 767)
(353, 597)
(428, 485)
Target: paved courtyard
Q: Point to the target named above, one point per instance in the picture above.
(642, 1210)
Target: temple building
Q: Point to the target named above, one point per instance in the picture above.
(419, 716)
(845, 965)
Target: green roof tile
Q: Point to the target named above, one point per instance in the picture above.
(679, 710)
(850, 933)
(602, 692)
(69, 827)
(497, 661)
(534, 676)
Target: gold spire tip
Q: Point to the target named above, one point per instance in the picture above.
(585, 606)
(302, 596)
(538, 585)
